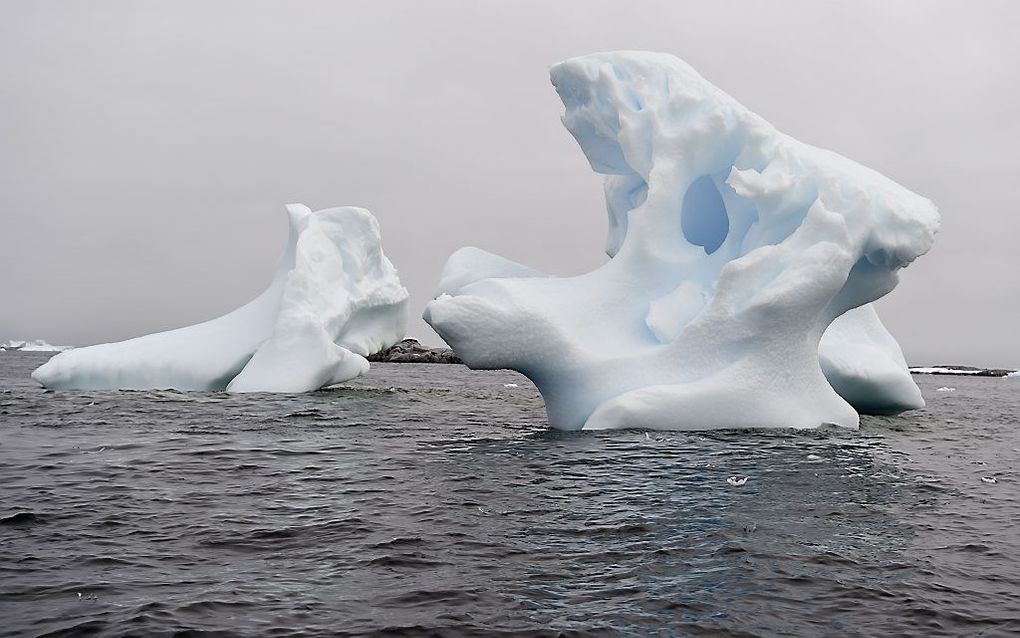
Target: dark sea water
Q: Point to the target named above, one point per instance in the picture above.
(432, 500)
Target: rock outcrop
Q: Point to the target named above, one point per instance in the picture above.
(410, 351)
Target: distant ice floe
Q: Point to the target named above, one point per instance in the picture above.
(334, 299)
(937, 370)
(36, 345)
(734, 247)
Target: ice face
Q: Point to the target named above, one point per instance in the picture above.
(334, 300)
(733, 248)
(865, 365)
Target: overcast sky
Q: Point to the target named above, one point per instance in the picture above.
(147, 148)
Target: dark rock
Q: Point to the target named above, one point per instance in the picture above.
(410, 351)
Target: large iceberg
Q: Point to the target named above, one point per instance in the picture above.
(334, 299)
(734, 247)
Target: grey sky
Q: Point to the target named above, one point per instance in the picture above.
(147, 148)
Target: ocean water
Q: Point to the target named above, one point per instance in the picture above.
(432, 500)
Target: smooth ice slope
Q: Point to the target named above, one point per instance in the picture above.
(334, 300)
(733, 248)
(865, 365)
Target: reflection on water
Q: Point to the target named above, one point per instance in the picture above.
(423, 498)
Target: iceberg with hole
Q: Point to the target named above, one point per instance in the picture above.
(334, 299)
(733, 247)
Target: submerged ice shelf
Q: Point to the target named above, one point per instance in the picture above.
(734, 247)
(334, 299)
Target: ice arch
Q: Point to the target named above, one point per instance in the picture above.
(703, 216)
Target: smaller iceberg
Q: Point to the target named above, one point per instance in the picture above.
(334, 299)
(36, 345)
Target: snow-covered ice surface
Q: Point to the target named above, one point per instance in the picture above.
(733, 248)
(334, 299)
(35, 345)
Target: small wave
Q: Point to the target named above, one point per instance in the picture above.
(430, 596)
(399, 541)
(106, 560)
(23, 518)
(207, 606)
(262, 538)
(311, 412)
(413, 561)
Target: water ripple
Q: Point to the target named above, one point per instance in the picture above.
(431, 500)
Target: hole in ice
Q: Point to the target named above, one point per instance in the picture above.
(703, 217)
